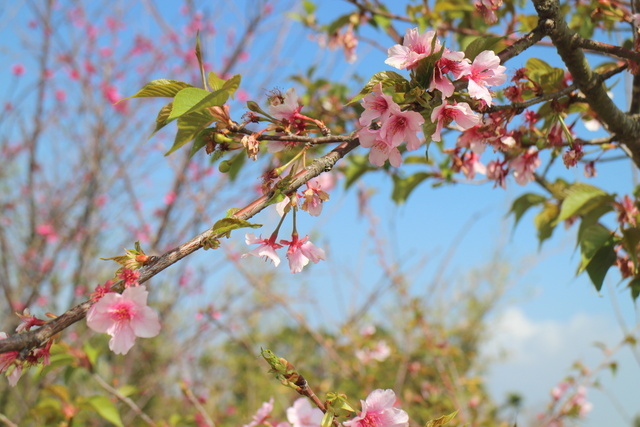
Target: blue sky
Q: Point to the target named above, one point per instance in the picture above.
(548, 317)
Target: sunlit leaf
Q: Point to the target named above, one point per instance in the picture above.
(582, 198)
(160, 87)
(106, 409)
(194, 99)
(224, 226)
(189, 126)
(522, 204)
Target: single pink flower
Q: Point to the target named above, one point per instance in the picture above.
(471, 165)
(381, 149)
(525, 165)
(302, 414)
(402, 126)
(313, 198)
(473, 139)
(266, 249)
(378, 411)
(261, 414)
(301, 251)
(485, 70)
(17, 70)
(497, 171)
(124, 316)
(377, 105)
(285, 107)
(450, 61)
(414, 47)
(627, 211)
(47, 231)
(445, 113)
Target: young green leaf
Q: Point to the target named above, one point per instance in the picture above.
(160, 87)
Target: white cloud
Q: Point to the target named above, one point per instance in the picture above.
(531, 356)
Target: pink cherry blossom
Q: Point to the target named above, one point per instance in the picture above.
(414, 47)
(261, 414)
(17, 69)
(525, 165)
(381, 149)
(485, 70)
(402, 126)
(627, 211)
(6, 360)
(380, 352)
(285, 107)
(266, 249)
(313, 198)
(302, 414)
(450, 61)
(445, 113)
(378, 411)
(377, 105)
(48, 231)
(471, 165)
(497, 171)
(301, 251)
(124, 316)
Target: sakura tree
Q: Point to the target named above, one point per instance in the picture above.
(444, 108)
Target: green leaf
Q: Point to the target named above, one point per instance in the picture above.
(591, 240)
(630, 241)
(545, 221)
(232, 84)
(224, 226)
(523, 203)
(387, 78)
(201, 139)
(106, 409)
(215, 82)
(163, 117)
(308, 6)
(442, 420)
(235, 164)
(189, 126)
(600, 264)
(582, 198)
(481, 44)
(91, 352)
(194, 99)
(160, 87)
(537, 65)
(634, 286)
(402, 187)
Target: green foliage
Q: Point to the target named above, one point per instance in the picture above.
(388, 79)
(402, 187)
(225, 226)
(523, 203)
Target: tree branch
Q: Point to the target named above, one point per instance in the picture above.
(38, 337)
(591, 84)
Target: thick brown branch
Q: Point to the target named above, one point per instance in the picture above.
(40, 336)
(591, 84)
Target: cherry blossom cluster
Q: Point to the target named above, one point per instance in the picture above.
(378, 410)
(395, 125)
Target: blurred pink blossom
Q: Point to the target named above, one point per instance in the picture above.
(378, 411)
(17, 70)
(302, 414)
